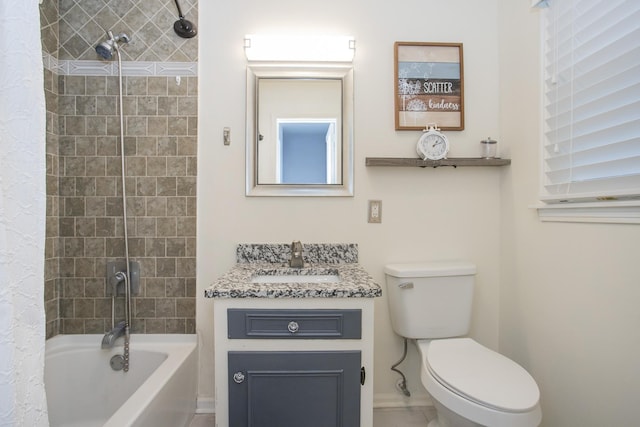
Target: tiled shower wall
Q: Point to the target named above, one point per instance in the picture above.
(85, 224)
(49, 30)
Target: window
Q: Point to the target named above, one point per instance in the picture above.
(591, 144)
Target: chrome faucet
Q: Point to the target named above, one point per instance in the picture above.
(296, 260)
(110, 337)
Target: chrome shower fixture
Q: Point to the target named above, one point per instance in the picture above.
(106, 48)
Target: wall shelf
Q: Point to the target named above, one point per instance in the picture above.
(416, 162)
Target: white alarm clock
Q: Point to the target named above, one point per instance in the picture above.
(433, 144)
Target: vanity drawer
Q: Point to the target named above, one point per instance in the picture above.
(307, 324)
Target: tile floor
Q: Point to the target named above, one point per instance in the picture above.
(416, 416)
(385, 417)
(203, 420)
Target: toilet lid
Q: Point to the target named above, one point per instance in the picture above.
(481, 375)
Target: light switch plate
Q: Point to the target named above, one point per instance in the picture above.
(375, 211)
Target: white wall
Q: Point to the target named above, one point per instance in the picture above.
(566, 295)
(428, 214)
(569, 292)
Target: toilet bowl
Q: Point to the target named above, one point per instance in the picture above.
(474, 386)
(470, 384)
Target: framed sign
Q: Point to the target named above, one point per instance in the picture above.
(429, 85)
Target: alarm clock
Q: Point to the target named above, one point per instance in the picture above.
(433, 144)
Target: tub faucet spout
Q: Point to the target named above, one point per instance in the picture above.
(110, 337)
(296, 260)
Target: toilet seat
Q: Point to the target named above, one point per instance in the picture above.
(482, 376)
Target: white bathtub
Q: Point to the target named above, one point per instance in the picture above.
(158, 391)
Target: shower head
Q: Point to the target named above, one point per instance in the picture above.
(184, 28)
(106, 48)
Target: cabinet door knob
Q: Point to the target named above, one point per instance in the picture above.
(293, 327)
(238, 377)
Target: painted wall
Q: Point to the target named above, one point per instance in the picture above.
(569, 292)
(428, 214)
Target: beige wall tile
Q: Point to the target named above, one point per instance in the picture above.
(84, 208)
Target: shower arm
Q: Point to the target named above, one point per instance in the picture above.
(180, 15)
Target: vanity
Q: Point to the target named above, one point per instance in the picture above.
(294, 345)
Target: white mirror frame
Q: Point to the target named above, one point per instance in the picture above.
(299, 71)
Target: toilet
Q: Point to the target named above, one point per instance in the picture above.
(470, 384)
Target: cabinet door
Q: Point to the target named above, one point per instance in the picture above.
(294, 389)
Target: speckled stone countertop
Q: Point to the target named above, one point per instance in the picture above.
(272, 259)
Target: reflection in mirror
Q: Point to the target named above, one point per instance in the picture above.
(299, 131)
(306, 152)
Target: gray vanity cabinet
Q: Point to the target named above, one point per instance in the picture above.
(293, 362)
(294, 388)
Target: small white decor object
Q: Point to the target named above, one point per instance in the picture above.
(433, 144)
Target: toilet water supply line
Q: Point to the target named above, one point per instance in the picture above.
(402, 384)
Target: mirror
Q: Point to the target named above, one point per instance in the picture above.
(299, 131)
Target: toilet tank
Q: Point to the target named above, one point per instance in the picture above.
(430, 300)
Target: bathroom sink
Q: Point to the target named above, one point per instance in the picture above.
(277, 276)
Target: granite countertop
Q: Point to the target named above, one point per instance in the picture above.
(354, 281)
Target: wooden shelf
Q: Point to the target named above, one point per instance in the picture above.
(416, 162)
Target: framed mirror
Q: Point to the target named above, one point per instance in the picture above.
(299, 130)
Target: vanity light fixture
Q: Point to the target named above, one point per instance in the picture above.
(299, 48)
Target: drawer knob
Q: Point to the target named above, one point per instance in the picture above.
(238, 377)
(293, 327)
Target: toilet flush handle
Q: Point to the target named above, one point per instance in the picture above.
(406, 285)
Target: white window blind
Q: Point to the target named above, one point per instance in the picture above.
(591, 148)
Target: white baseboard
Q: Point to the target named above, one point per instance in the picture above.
(205, 405)
(396, 400)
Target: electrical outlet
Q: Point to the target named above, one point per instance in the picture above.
(375, 211)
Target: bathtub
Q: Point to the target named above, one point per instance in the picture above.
(158, 391)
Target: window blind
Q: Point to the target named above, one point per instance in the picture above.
(591, 147)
